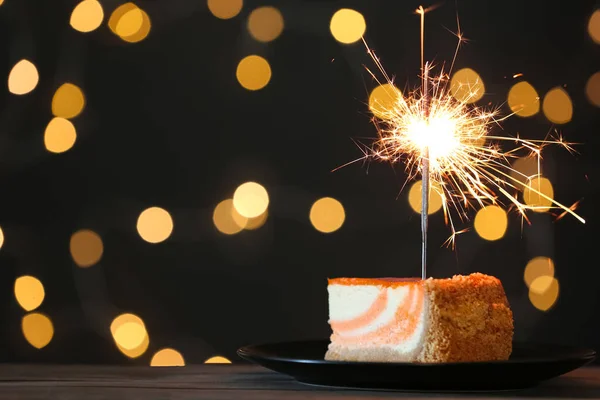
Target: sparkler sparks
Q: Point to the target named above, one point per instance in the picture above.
(447, 141)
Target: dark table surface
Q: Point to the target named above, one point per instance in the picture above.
(231, 381)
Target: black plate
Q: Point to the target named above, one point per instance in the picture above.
(528, 365)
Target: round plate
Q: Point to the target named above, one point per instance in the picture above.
(528, 365)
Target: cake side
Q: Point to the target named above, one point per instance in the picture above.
(375, 321)
(470, 320)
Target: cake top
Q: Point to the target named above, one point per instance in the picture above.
(391, 282)
(475, 279)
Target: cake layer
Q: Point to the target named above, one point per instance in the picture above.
(465, 318)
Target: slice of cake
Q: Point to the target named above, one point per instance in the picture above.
(465, 318)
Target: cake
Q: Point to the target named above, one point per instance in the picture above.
(463, 318)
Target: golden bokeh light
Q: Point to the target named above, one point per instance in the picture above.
(37, 329)
(253, 224)
(557, 106)
(1, 2)
(543, 300)
(217, 360)
(143, 32)
(592, 89)
(29, 292)
(491, 223)
(227, 220)
(523, 99)
(128, 331)
(525, 168)
(225, 9)
(155, 225)
(130, 23)
(87, 16)
(68, 101)
(137, 351)
(253, 72)
(538, 267)
(467, 86)
(167, 358)
(327, 215)
(383, 99)
(541, 284)
(534, 192)
(415, 199)
(250, 199)
(86, 248)
(594, 26)
(347, 26)
(265, 24)
(23, 77)
(60, 135)
(1, 237)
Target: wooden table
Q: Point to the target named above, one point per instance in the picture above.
(239, 382)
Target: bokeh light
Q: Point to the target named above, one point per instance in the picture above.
(491, 223)
(543, 300)
(37, 329)
(523, 99)
(253, 72)
(137, 351)
(68, 101)
(87, 16)
(29, 292)
(525, 168)
(537, 267)
(130, 23)
(415, 199)
(594, 26)
(557, 106)
(129, 332)
(466, 85)
(327, 215)
(532, 196)
(227, 220)
(60, 135)
(256, 222)
(155, 225)
(592, 89)
(1, 237)
(167, 358)
(347, 26)
(383, 99)
(23, 77)
(250, 199)
(265, 24)
(86, 248)
(217, 360)
(225, 9)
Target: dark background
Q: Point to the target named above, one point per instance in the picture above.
(167, 124)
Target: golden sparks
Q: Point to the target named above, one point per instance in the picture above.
(467, 165)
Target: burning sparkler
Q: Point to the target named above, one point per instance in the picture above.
(446, 140)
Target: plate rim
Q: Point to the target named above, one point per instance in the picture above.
(586, 353)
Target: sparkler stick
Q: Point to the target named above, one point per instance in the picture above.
(425, 158)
